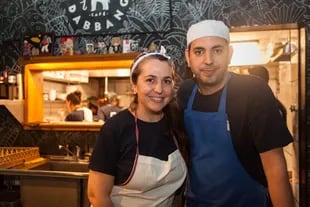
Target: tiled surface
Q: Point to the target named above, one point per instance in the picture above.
(13, 134)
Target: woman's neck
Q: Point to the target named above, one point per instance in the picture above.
(148, 116)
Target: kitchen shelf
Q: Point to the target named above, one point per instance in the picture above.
(78, 58)
(61, 80)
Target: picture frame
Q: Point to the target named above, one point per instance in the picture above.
(40, 44)
(90, 48)
(101, 47)
(66, 45)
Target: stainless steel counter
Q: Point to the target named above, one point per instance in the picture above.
(50, 168)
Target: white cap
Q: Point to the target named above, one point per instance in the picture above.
(207, 28)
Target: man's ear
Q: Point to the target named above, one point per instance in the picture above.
(186, 53)
(230, 53)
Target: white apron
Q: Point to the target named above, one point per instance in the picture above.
(152, 182)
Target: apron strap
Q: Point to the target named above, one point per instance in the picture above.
(137, 152)
(222, 106)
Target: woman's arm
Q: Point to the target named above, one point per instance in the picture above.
(275, 169)
(99, 189)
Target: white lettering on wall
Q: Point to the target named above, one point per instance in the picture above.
(96, 15)
(72, 8)
(86, 25)
(123, 3)
(97, 26)
(118, 14)
(84, 7)
(109, 24)
(76, 19)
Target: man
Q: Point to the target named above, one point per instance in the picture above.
(110, 109)
(236, 133)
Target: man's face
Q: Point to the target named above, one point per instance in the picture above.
(208, 58)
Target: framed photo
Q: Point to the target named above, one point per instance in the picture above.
(90, 49)
(38, 44)
(66, 45)
(101, 48)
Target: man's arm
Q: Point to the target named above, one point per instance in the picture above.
(275, 169)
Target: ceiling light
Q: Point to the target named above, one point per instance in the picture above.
(247, 53)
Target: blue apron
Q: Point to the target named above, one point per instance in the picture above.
(216, 176)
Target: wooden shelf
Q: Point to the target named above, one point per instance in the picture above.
(78, 58)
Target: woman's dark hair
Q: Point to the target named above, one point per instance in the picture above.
(75, 97)
(175, 121)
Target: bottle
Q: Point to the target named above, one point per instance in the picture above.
(12, 84)
(4, 90)
(20, 88)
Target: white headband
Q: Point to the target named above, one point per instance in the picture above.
(207, 28)
(144, 55)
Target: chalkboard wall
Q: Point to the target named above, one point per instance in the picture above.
(163, 22)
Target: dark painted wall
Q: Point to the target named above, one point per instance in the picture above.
(162, 22)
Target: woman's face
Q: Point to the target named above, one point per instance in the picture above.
(154, 86)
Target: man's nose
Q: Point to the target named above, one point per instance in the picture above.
(208, 58)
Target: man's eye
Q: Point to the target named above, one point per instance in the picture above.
(198, 52)
(218, 51)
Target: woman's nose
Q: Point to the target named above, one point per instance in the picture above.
(158, 87)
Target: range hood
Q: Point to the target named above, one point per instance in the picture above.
(283, 52)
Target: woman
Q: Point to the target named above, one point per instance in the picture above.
(136, 160)
(77, 112)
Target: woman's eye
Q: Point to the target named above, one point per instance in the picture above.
(168, 81)
(150, 80)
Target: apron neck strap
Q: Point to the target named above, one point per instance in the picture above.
(222, 106)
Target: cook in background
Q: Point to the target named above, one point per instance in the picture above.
(110, 109)
(262, 72)
(77, 111)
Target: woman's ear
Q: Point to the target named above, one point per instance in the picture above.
(134, 89)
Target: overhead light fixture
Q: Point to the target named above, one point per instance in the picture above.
(283, 52)
(247, 53)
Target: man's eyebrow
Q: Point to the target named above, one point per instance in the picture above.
(217, 46)
(214, 47)
(198, 48)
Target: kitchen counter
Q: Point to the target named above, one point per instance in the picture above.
(31, 169)
(50, 183)
(65, 126)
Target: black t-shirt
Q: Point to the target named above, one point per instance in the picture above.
(75, 116)
(255, 122)
(115, 149)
